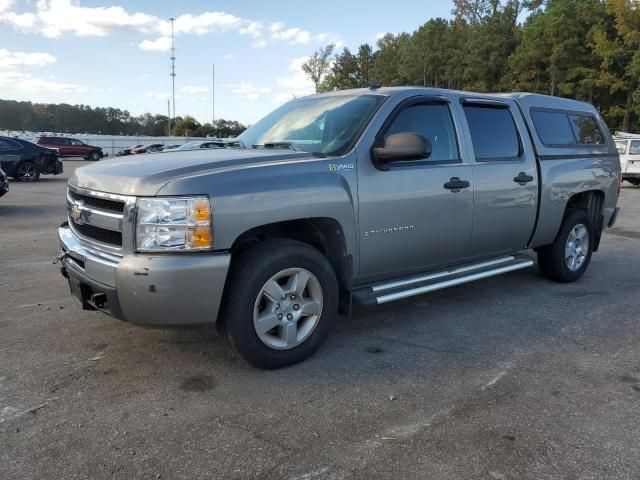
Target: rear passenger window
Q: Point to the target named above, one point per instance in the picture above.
(566, 129)
(432, 121)
(493, 133)
(553, 127)
(634, 148)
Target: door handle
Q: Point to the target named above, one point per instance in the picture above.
(455, 184)
(523, 179)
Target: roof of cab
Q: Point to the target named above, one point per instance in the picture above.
(523, 98)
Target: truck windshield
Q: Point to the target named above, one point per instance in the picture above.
(321, 125)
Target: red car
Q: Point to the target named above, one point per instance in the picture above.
(71, 147)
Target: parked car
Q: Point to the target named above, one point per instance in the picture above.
(126, 151)
(149, 148)
(71, 147)
(366, 196)
(25, 161)
(167, 148)
(628, 146)
(4, 183)
(199, 144)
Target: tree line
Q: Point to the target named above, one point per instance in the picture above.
(583, 49)
(64, 118)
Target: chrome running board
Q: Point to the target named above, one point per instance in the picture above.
(398, 289)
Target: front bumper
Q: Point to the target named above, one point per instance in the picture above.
(4, 186)
(165, 290)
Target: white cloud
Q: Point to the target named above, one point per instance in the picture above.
(292, 35)
(192, 89)
(203, 23)
(297, 84)
(252, 28)
(229, 56)
(59, 16)
(21, 21)
(159, 95)
(24, 59)
(28, 83)
(249, 91)
(161, 44)
(259, 43)
(54, 18)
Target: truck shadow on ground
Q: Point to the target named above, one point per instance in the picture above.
(408, 335)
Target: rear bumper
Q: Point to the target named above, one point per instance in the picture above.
(153, 291)
(53, 167)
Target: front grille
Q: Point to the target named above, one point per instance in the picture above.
(98, 202)
(98, 234)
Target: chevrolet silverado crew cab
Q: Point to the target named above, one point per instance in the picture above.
(365, 196)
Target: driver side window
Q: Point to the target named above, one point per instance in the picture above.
(433, 122)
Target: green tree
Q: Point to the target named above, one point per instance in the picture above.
(616, 43)
(186, 126)
(389, 57)
(554, 56)
(318, 64)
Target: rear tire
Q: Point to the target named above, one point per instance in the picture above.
(281, 300)
(27, 172)
(568, 257)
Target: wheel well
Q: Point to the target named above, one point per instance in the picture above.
(592, 202)
(324, 234)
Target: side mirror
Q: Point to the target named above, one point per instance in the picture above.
(400, 147)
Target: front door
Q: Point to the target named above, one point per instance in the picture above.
(411, 216)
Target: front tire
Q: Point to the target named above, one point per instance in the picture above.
(94, 156)
(281, 299)
(568, 257)
(27, 172)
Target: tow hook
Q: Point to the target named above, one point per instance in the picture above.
(98, 299)
(60, 257)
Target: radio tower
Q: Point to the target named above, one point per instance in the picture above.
(173, 70)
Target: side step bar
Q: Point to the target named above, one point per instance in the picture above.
(390, 291)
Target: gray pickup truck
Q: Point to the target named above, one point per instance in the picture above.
(366, 196)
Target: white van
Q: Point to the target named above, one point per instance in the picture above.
(628, 145)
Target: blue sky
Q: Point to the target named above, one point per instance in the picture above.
(100, 53)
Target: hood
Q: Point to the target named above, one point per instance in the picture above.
(146, 174)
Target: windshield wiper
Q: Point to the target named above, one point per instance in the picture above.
(277, 145)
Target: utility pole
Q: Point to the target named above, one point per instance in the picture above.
(173, 69)
(169, 116)
(213, 94)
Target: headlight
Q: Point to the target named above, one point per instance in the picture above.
(173, 223)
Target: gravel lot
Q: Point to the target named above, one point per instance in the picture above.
(511, 377)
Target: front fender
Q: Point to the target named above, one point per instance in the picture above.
(244, 199)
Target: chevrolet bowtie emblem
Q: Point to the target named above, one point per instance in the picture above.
(76, 213)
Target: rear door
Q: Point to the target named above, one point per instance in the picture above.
(64, 147)
(77, 148)
(505, 177)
